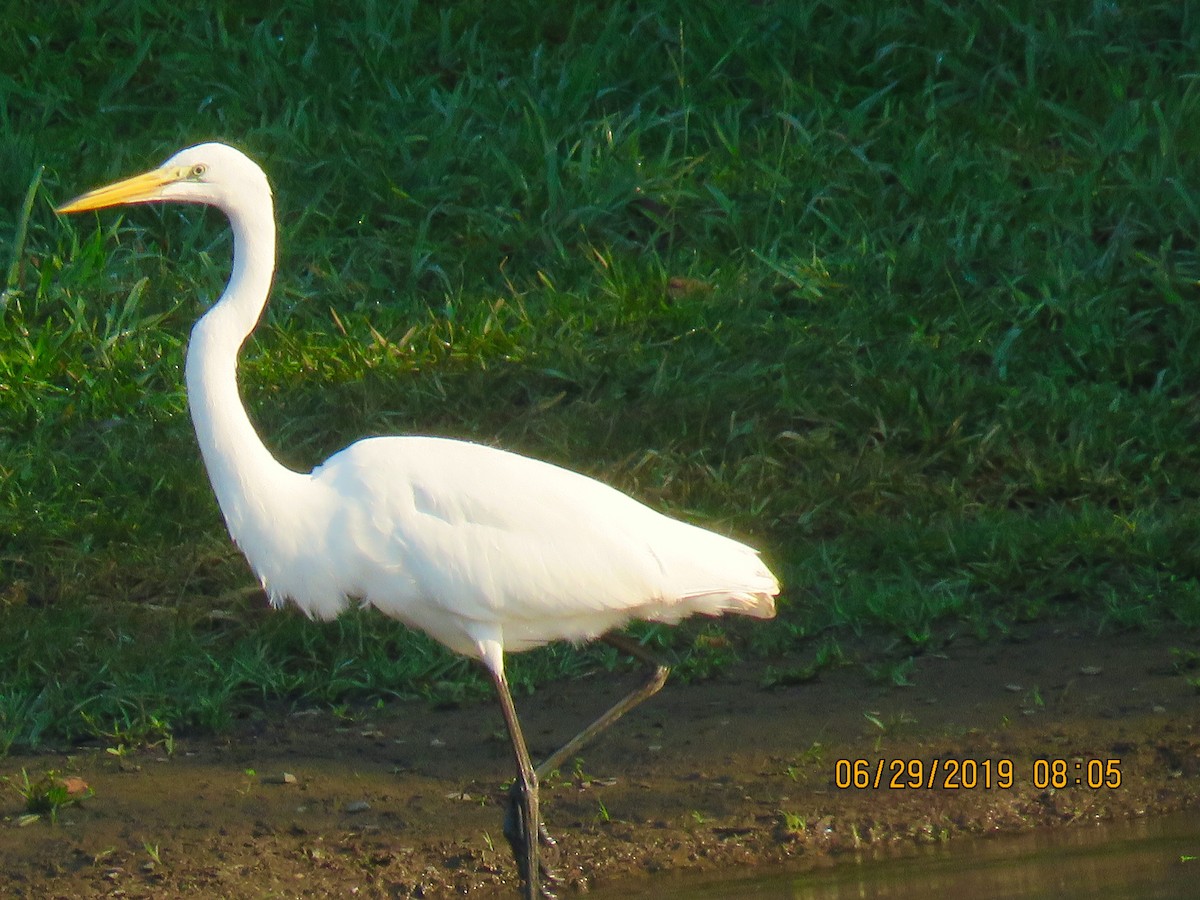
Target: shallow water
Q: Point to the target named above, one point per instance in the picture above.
(1144, 858)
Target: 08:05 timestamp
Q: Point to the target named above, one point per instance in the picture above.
(974, 774)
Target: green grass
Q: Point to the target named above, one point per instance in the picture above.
(904, 294)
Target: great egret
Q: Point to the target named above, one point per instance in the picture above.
(484, 550)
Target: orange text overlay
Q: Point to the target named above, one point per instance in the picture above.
(975, 774)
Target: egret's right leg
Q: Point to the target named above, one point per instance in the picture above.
(653, 684)
(522, 825)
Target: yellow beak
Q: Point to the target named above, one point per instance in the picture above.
(138, 189)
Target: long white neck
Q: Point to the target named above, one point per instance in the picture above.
(247, 479)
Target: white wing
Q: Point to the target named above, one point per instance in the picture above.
(460, 540)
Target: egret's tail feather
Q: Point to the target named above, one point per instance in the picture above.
(756, 604)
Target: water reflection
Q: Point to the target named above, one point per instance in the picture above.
(1143, 858)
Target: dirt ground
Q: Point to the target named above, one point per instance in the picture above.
(404, 801)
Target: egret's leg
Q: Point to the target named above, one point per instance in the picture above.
(522, 826)
(523, 797)
(652, 685)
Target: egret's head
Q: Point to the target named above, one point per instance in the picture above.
(215, 174)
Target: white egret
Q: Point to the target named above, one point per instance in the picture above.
(484, 550)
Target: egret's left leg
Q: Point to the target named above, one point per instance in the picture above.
(522, 824)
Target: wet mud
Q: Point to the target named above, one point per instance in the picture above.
(1052, 729)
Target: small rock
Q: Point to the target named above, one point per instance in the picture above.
(281, 778)
(357, 806)
(1090, 670)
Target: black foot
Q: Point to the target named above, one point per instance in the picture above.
(521, 841)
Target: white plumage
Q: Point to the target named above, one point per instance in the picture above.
(485, 550)
(497, 546)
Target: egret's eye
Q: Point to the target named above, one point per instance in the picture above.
(198, 170)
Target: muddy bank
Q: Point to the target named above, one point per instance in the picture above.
(404, 801)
